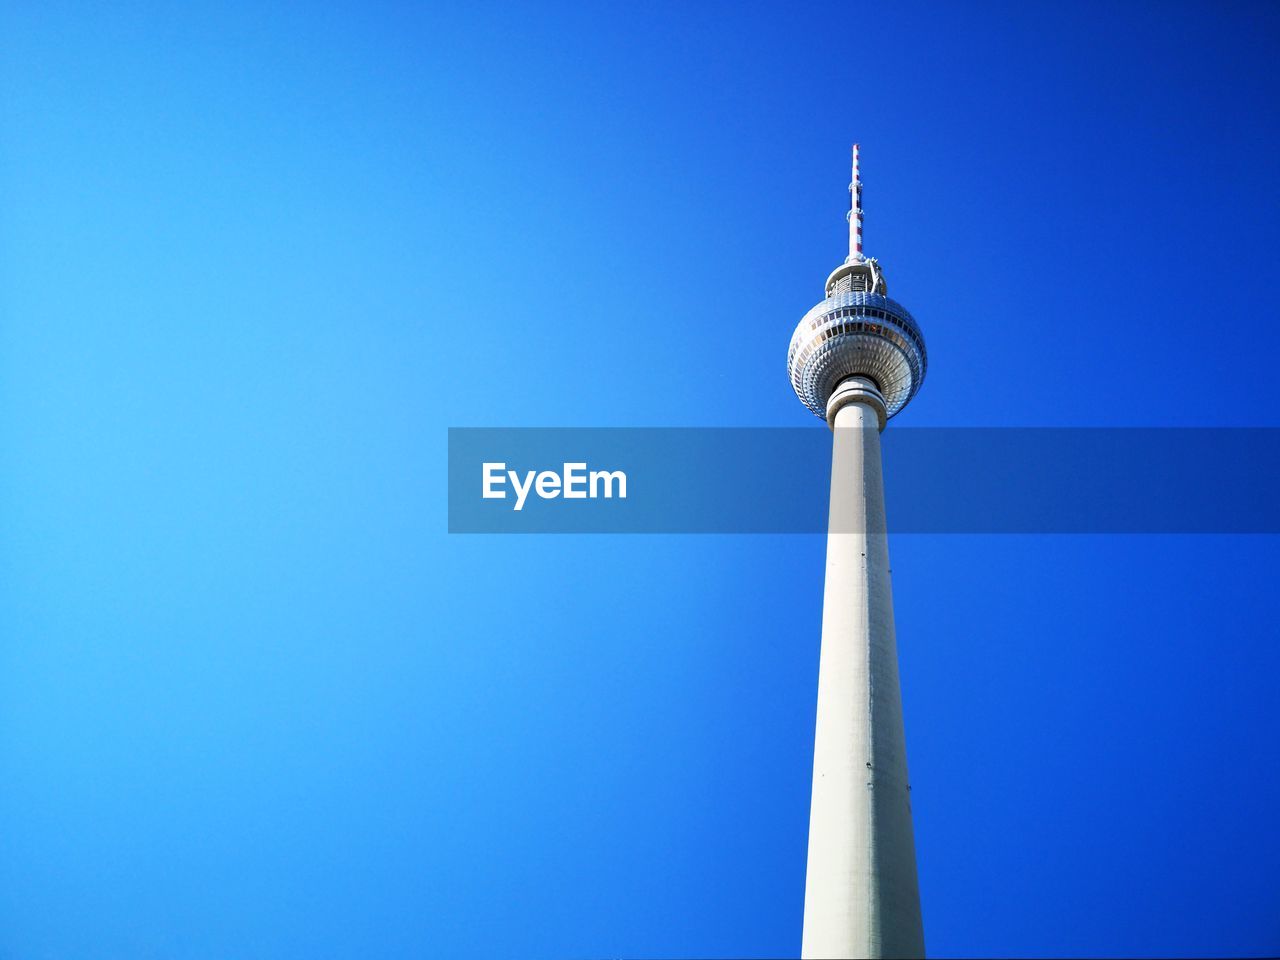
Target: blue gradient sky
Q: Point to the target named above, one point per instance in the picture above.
(255, 259)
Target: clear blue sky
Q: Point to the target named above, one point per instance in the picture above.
(256, 258)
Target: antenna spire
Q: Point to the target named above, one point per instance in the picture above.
(855, 214)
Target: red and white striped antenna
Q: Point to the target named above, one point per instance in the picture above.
(855, 213)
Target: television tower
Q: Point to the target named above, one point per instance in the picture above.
(856, 359)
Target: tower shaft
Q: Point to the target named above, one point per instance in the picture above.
(861, 892)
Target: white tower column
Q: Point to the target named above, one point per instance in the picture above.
(861, 892)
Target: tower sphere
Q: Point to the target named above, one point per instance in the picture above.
(857, 331)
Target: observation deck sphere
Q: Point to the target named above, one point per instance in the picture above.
(857, 334)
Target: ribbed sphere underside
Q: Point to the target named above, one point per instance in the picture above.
(857, 334)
